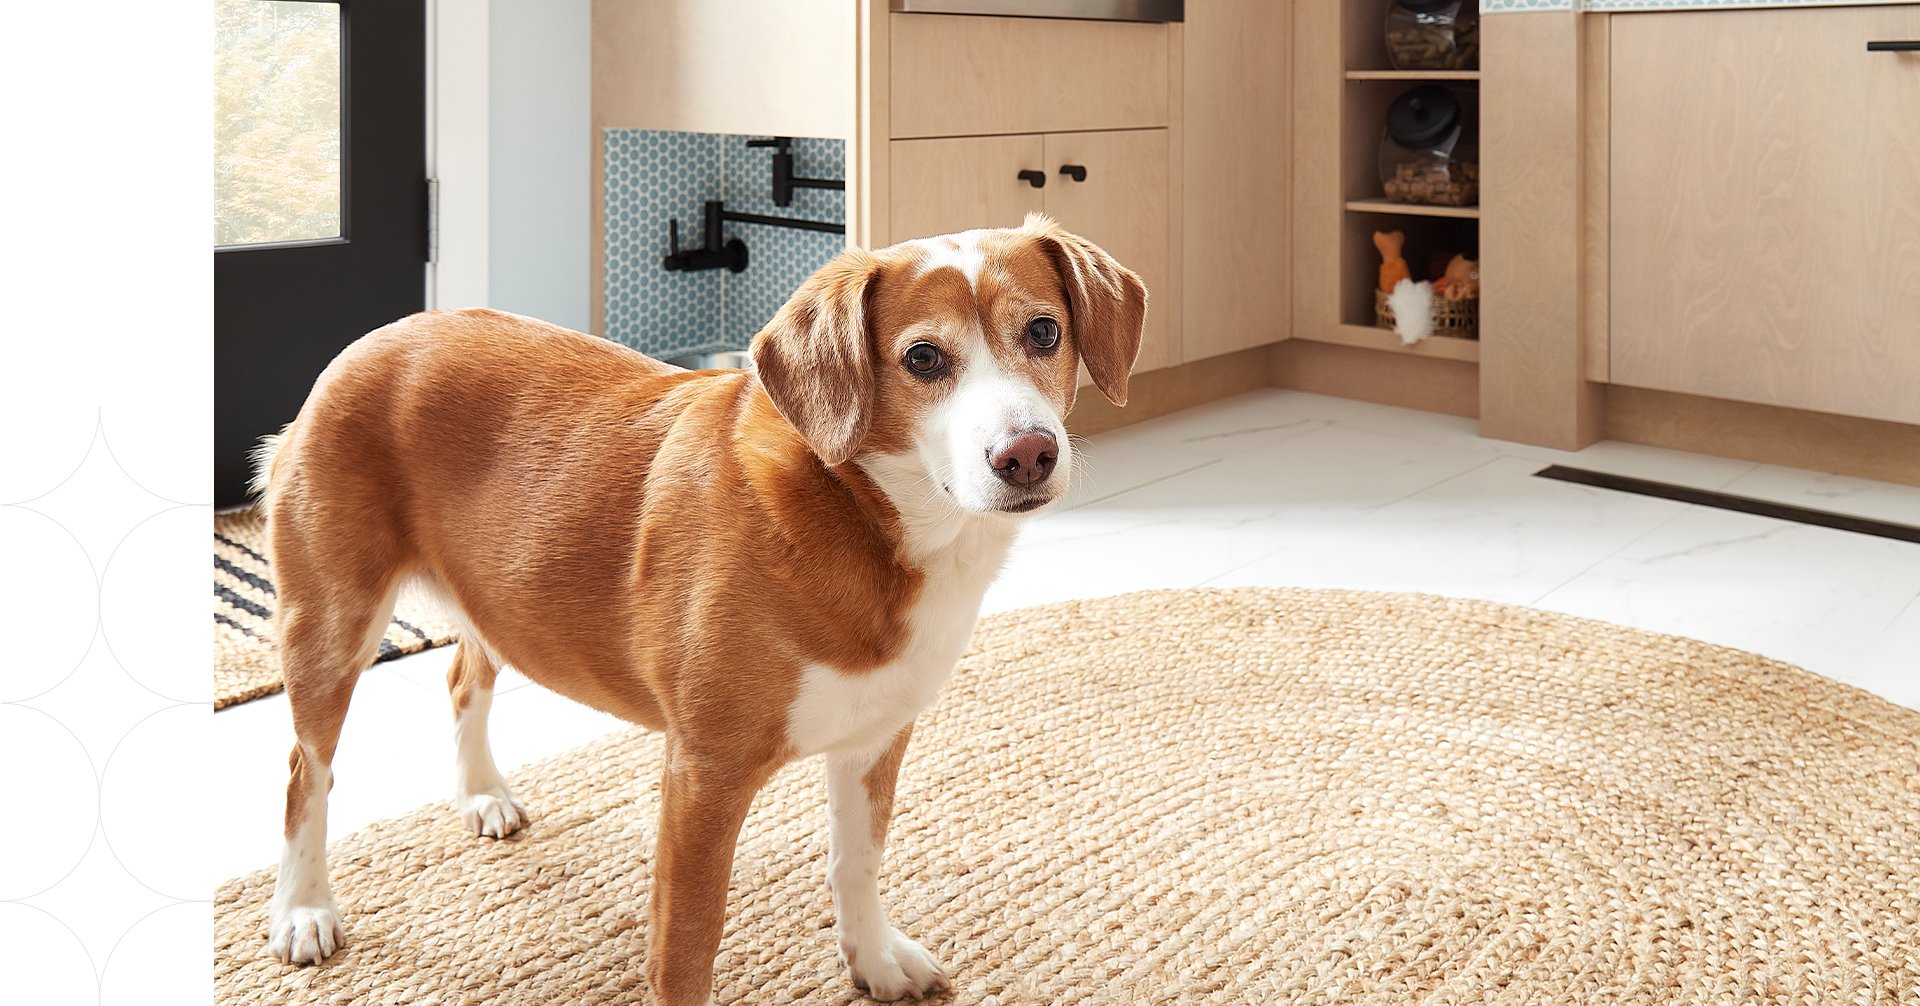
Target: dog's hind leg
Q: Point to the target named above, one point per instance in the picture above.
(486, 803)
(329, 632)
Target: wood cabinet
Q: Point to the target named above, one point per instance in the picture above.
(1120, 202)
(975, 101)
(1765, 193)
(1698, 230)
(962, 75)
(942, 112)
(957, 183)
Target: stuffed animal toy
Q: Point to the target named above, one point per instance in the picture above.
(1412, 307)
(1393, 268)
(1462, 281)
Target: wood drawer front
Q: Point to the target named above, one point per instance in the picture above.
(971, 76)
(956, 184)
(1765, 190)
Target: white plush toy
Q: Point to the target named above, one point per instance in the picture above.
(1412, 306)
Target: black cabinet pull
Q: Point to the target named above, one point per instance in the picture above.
(1910, 46)
(1038, 179)
(1077, 171)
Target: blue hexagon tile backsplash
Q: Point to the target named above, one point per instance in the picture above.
(656, 175)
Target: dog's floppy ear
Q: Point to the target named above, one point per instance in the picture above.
(814, 360)
(1108, 303)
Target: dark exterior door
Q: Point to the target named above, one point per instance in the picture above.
(283, 310)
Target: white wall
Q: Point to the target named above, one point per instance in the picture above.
(512, 132)
(540, 119)
(458, 150)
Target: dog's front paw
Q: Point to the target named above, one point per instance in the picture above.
(306, 935)
(894, 968)
(494, 814)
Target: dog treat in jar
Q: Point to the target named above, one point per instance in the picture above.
(1433, 34)
(1427, 153)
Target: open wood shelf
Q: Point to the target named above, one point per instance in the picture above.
(1413, 209)
(1445, 347)
(1413, 75)
(1365, 88)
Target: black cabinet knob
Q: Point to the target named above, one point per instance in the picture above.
(1078, 172)
(1038, 179)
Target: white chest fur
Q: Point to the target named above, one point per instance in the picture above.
(839, 711)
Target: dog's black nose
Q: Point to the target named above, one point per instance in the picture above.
(1026, 459)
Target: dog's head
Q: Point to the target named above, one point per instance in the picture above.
(954, 359)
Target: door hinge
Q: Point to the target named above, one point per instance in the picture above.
(433, 220)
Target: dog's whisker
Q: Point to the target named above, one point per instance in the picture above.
(1086, 469)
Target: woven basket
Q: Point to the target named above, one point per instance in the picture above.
(1457, 318)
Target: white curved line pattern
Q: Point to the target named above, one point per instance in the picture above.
(181, 934)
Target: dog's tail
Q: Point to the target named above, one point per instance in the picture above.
(264, 457)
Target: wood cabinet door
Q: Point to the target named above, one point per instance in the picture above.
(939, 186)
(1122, 207)
(1765, 188)
(959, 183)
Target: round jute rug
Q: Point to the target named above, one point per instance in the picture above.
(246, 658)
(1244, 796)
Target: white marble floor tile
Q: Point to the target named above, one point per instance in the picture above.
(253, 740)
(1506, 487)
(530, 723)
(395, 753)
(1834, 493)
(1091, 558)
(1111, 464)
(1889, 666)
(1455, 432)
(1247, 421)
(1807, 595)
(1464, 546)
(1191, 528)
(1329, 474)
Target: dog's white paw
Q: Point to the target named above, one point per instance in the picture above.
(494, 814)
(897, 967)
(306, 935)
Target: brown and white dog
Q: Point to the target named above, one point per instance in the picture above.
(765, 565)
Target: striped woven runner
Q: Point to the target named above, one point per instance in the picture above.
(246, 663)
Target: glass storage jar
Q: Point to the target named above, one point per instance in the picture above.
(1433, 34)
(1428, 153)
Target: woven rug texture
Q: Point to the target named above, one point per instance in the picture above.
(1226, 796)
(246, 662)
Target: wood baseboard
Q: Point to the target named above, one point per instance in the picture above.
(1370, 375)
(1769, 434)
(1158, 392)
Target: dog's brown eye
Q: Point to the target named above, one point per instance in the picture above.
(924, 358)
(1043, 333)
